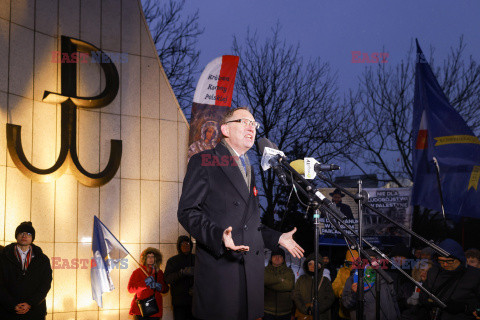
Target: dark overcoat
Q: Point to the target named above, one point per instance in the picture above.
(228, 285)
(17, 286)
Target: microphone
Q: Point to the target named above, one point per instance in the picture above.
(310, 167)
(270, 158)
(325, 167)
(300, 166)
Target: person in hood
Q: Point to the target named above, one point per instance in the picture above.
(279, 282)
(147, 282)
(179, 275)
(25, 277)
(388, 301)
(342, 276)
(304, 290)
(454, 284)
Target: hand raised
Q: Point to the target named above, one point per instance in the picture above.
(228, 241)
(286, 241)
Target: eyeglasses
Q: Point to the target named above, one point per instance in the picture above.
(447, 262)
(246, 122)
(25, 234)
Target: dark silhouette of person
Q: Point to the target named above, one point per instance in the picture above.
(179, 275)
(337, 196)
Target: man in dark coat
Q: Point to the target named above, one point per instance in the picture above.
(337, 196)
(179, 275)
(454, 284)
(25, 277)
(219, 207)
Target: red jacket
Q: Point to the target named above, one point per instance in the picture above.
(137, 285)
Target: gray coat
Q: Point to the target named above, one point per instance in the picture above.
(388, 301)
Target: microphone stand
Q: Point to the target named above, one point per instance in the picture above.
(310, 193)
(388, 278)
(360, 291)
(432, 245)
(316, 222)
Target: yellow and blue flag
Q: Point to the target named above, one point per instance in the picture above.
(440, 132)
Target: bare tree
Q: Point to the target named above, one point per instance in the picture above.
(175, 35)
(383, 110)
(295, 102)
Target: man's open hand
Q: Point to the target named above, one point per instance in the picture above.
(228, 241)
(286, 241)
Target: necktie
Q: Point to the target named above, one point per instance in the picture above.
(242, 159)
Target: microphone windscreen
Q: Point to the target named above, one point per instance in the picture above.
(299, 166)
(262, 143)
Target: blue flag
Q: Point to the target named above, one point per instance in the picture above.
(107, 253)
(440, 132)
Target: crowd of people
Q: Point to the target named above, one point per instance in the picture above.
(454, 280)
(26, 276)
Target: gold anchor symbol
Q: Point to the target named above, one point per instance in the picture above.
(69, 101)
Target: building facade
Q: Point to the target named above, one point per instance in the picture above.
(138, 204)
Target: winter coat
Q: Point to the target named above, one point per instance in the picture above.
(338, 285)
(460, 286)
(31, 287)
(388, 301)
(403, 288)
(216, 196)
(181, 285)
(279, 284)
(339, 282)
(137, 285)
(304, 292)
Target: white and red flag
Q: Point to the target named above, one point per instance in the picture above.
(213, 97)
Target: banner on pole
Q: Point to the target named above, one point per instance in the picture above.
(213, 97)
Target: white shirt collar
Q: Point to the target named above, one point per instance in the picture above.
(23, 254)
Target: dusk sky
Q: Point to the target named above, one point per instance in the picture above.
(331, 30)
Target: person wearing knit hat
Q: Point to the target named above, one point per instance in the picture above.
(25, 277)
(25, 227)
(279, 282)
(179, 273)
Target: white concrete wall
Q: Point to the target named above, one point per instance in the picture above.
(139, 204)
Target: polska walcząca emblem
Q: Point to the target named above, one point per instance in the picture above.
(69, 100)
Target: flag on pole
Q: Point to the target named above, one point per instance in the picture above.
(439, 131)
(213, 97)
(107, 253)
